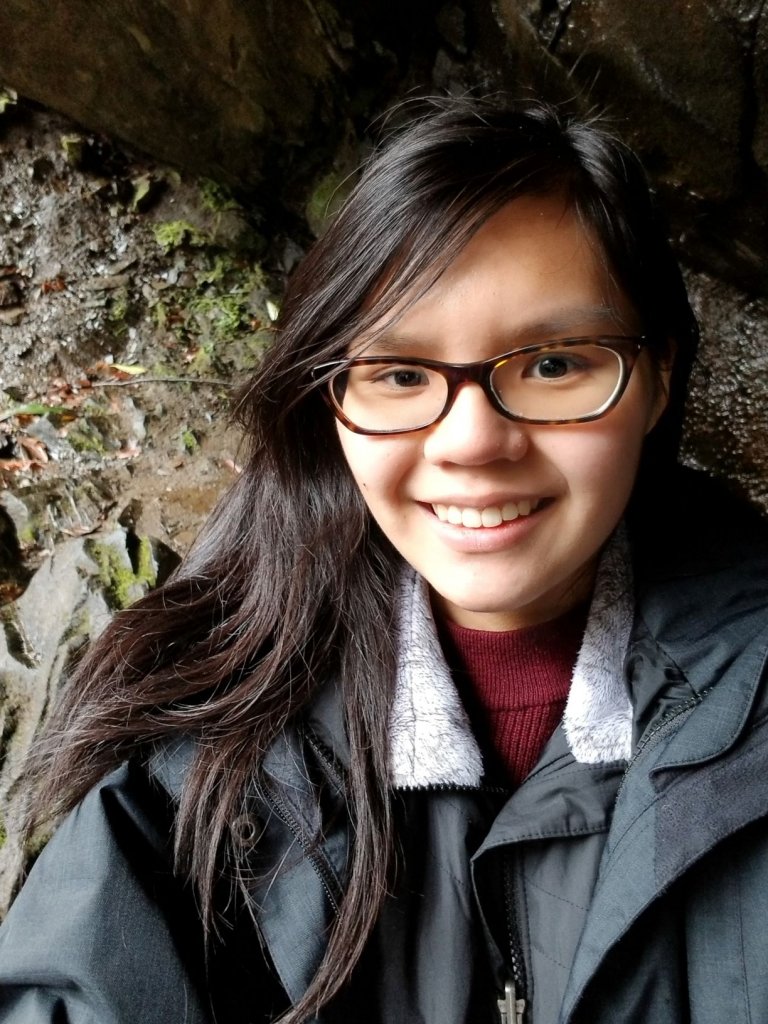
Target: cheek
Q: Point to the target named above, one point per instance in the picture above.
(377, 464)
(598, 461)
(617, 439)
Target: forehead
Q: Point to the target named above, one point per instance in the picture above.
(531, 272)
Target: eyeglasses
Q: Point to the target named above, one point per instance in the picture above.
(568, 381)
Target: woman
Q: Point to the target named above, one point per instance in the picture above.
(322, 772)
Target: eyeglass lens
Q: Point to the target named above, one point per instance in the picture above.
(555, 384)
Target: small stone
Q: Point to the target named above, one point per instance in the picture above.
(10, 293)
(12, 315)
(17, 512)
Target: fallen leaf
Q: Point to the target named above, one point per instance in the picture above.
(14, 465)
(10, 592)
(35, 449)
(8, 97)
(53, 284)
(141, 188)
(132, 369)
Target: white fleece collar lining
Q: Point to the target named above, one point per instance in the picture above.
(431, 740)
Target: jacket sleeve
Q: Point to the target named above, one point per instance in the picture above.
(103, 931)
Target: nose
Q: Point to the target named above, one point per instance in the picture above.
(473, 433)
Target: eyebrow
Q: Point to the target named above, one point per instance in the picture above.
(574, 320)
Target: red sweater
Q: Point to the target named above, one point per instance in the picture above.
(515, 684)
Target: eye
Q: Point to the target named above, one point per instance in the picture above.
(554, 366)
(400, 378)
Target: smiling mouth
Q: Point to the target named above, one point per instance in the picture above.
(490, 516)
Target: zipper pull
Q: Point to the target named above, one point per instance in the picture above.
(511, 1009)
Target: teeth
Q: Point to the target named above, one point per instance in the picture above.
(471, 517)
(491, 516)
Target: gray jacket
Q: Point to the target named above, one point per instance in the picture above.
(608, 889)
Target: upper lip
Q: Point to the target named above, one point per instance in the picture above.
(487, 501)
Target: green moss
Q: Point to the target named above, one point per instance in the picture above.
(27, 536)
(214, 313)
(227, 314)
(202, 362)
(225, 296)
(161, 369)
(146, 570)
(123, 585)
(85, 438)
(119, 306)
(216, 198)
(190, 442)
(174, 233)
(3, 833)
(222, 266)
(115, 576)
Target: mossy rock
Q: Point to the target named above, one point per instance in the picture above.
(124, 575)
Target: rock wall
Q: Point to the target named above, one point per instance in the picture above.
(68, 601)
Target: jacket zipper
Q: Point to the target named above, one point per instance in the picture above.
(511, 1009)
(335, 771)
(317, 863)
(662, 726)
(452, 787)
(512, 1006)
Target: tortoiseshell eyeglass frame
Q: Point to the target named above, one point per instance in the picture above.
(626, 347)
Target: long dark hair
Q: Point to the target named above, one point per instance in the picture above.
(290, 583)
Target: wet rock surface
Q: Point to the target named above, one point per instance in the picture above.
(686, 85)
(43, 633)
(139, 303)
(727, 416)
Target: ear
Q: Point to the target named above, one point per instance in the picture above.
(661, 370)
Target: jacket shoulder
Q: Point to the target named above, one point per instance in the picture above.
(101, 930)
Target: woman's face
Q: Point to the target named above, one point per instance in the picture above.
(530, 274)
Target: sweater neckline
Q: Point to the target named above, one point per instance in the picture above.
(516, 668)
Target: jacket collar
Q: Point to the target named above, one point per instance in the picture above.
(668, 817)
(702, 622)
(431, 740)
(702, 611)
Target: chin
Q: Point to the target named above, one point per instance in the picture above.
(463, 605)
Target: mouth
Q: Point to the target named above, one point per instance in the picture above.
(487, 517)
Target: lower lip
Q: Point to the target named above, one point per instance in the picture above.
(483, 539)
